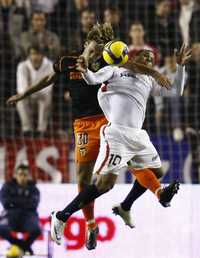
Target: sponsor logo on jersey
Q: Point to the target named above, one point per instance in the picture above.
(154, 158)
(75, 76)
(125, 74)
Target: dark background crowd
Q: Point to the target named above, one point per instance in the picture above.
(60, 27)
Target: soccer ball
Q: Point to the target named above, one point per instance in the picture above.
(115, 52)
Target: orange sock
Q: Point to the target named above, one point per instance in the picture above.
(147, 178)
(88, 212)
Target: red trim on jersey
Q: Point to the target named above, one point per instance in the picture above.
(104, 87)
(107, 153)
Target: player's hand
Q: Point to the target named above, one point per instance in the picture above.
(81, 64)
(14, 99)
(183, 55)
(162, 80)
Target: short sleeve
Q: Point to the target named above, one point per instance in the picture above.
(64, 64)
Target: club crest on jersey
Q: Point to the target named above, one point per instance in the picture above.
(82, 151)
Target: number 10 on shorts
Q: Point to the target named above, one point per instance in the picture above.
(114, 160)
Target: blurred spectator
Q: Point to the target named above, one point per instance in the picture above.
(81, 4)
(37, 33)
(65, 20)
(20, 198)
(137, 36)
(12, 23)
(112, 15)
(185, 16)
(13, 20)
(193, 111)
(87, 20)
(195, 23)
(29, 72)
(24, 4)
(47, 6)
(170, 106)
(162, 28)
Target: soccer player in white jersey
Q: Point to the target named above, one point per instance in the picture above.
(123, 100)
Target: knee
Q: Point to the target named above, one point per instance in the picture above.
(84, 175)
(104, 187)
(82, 183)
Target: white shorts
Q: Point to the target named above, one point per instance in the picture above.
(120, 145)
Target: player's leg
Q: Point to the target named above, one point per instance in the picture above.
(88, 195)
(149, 178)
(146, 178)
(84, 177)
(137, 190)
(149, 159)
(87, 141)
(110, 160)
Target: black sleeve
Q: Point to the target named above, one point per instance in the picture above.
(64, 64)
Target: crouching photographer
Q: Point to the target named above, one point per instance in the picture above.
(20, 198)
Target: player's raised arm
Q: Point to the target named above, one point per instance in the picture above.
(43, 83)
(138, 67)
(99, 77)
(182, 57)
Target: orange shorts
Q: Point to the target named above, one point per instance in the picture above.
(87, 137)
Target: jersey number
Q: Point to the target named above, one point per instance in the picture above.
(114, 159)
(82, 138)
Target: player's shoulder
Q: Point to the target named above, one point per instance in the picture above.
(111, 68)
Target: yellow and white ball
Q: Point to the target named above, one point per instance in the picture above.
(115, 52)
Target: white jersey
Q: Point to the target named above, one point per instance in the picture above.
(27, 75)
(124, 94)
